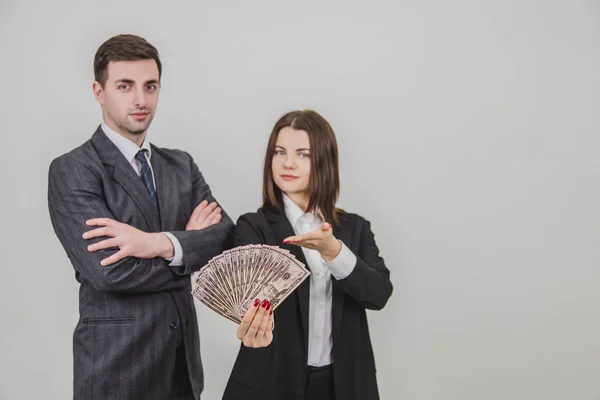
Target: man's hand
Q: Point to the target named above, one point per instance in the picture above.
(203, 216)
(131, 241)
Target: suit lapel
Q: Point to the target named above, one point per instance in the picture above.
(337, 301)
(281, 229)
(166, 190)
(124, 175)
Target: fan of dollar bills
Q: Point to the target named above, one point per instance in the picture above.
(231, 281)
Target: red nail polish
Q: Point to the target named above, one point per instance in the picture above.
(286, 241)
(264, 303)
(256, 302)
(268, 305)
(271, 312)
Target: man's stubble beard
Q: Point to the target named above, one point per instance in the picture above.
(135, 129)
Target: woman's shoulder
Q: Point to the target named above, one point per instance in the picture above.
(260, 216)
(348, 219)
(251, 217)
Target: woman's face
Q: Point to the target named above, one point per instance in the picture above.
(291, 162)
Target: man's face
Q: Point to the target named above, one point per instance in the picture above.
(129, 96)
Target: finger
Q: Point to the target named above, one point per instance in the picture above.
(307, 246)
(119, 255)
(268, 336)
(268, 339)
(100, 232)
(105, 244)
(291, 239)
(206, 211)
(301, 241)
(210, 218)
(195, 214)
(265, 322)
(198, 208)
(217, 219)
(307, 236)
(249, 316)
(325, 226)
(201, 219)
(247, 320)
(249, 339)
(101, 222)
(271, 322)
(251, 334)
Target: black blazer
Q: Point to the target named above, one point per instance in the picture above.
(125, 341)
(279, 371)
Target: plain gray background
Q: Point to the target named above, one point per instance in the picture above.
(468, 133)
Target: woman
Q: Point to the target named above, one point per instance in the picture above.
(320, 348)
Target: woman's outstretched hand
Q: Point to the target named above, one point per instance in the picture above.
(321, 240)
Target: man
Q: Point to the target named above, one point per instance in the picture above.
(135, 220)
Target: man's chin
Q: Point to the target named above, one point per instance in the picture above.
(138, 129)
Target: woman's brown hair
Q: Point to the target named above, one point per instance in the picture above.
(324, 175)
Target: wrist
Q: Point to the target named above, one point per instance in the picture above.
(164, 246)
(332, 250)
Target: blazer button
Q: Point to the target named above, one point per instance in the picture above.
(173, 325)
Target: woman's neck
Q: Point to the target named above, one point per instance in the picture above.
(300, 199)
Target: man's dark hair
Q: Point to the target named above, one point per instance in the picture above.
(123, 48)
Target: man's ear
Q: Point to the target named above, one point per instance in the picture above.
(98, 92)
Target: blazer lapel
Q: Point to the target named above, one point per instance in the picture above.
(167, 190)
(282, 228)
(337, 302)
(124, 175)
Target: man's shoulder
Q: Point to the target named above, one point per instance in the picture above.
(80, 157)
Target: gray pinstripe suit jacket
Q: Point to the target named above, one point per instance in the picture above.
(124, 343)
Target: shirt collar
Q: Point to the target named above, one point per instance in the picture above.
(293, 212)
(128, 148)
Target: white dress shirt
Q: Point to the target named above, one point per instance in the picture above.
(319, 319)
(129, 149)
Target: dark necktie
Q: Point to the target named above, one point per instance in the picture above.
(146, 176)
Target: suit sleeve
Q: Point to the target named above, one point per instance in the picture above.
(369, 282)
(75, 194)
(199, 246)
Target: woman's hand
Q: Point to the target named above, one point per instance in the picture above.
(255, 330)
(321, 240)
